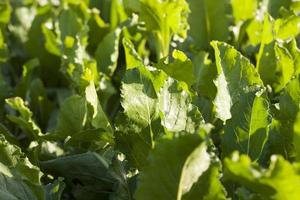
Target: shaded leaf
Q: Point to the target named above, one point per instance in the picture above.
(108, 51)
(247, 130)
(208, 21)
(87, 173)
(176, 166)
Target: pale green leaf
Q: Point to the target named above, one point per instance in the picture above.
(99, 118)
(5, 11)
(164, 19)
(295, 53)
(139, 126)
(243, 9)
(278, 182)
(177, 111)
(287, 27)
(296, 138)
(52, 43)
(3, 48)
(139, 98)
(208, 186)
(132, 57)
(236, 76)
(181, 68)
(25, 120)
(254, 31)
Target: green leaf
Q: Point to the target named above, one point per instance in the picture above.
(133, 140)
(7, 134)
(205, 72)
(69, 24)
(208, 186)
(164, 19)
(72, 116)
(34, 19)
(55, 190)
(73, 36)
(296, 138)
(107, 91)
(287, 27)
(236, 76)
(3, 48)
(117, 13)
(265, 183)
(176, 166)
(181, 68)
(5, 88)
(99, 118)
(254, 31)
(39, 102)
(283, 29)
(282, 133)
(295, 53)
(208, 21)
(127, 184)
(92, 139)
(25, 119)
(52, 43)
(275, 5)
(85, 173)
(108, 51)
(177, 112)
(18, 177)
(289, 99)
(275, 65)
(138, 127)
(98, 29)
(243, 9)
(139, 98)
(132, 57)
(157, 115)
(247, 130)
(5, 12)
(280, 140)
(27, 76)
